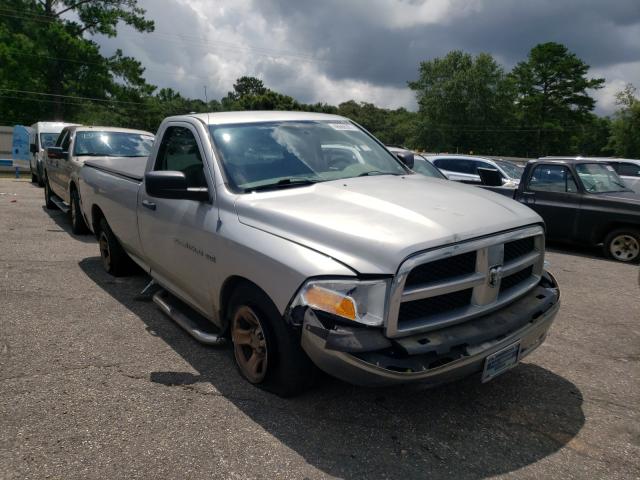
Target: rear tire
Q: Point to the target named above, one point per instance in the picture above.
(78, 225)
(114, 259)
(623, 245)
(47, 195)
(261, 339)
(34, 178)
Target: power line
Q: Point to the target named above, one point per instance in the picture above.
(69, 96)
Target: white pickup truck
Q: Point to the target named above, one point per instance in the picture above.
(75, 145)
(255, 231)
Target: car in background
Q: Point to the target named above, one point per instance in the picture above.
(581, 201)
(74, 146)
(464, 168)
(420, 164)
(42, 136)
(627, 168)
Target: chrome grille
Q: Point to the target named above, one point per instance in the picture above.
(457, 283)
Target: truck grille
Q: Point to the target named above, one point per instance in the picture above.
(457, 283)
(444, 269)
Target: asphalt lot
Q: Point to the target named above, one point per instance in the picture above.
(97, 384)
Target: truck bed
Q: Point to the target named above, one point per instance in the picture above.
(131, 168)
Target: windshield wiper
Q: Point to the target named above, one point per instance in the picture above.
(284, 183)
(376, 172)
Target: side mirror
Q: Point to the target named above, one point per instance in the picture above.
(490, 177)
(406, 157)
(55, 152)
(33, 148)
(169, 184)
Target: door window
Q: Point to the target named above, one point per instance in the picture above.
(552, 178)
(457, 165)
(179, 152)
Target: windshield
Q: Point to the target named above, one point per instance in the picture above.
(48, 139)
(290, 153)
(600, 178)
(512, 170)
(425, 167)
(112, 144)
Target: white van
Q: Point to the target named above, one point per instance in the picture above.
(43, 135)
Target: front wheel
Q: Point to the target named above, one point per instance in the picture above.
(114, 259)
(267, 352)
(623, 245)
(47, 195)
(78, 225)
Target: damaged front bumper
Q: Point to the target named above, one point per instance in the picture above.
(364, 356)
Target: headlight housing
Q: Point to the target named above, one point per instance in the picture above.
(361, 301)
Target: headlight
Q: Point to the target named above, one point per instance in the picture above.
(360, 301)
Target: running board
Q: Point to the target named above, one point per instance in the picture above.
(195, 324)
(61, 204)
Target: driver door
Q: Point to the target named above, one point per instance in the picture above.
(179, 236)
(553, 193)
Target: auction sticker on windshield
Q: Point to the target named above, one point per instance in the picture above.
(343, 126)
(500, 362)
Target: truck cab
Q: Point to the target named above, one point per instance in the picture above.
(77, 144)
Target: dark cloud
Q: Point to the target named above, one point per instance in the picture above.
(332, 50)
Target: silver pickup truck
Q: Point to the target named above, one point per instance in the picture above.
(75, 145)
(258, 231)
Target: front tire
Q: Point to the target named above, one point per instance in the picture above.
(47, 195)
(78, 225)
(267, 352)
(623, 245)
(114, 259)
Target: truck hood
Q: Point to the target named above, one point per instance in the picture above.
(371, 224)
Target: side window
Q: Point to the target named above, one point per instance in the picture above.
(450, 164)
(627, 169)
(62, 138)
(467, 166)
(179, 152)
(552, 178)
(65, 142)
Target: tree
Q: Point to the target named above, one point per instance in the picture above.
(625, 128)
(43, 41)
(552, 98)
(464, 102)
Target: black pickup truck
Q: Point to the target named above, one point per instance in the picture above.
(581, 201)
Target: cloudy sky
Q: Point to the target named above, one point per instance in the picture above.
(367, 50)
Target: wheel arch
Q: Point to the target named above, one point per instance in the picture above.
(230, 285)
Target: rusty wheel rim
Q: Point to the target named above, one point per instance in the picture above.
(249, 344)
(104, 251)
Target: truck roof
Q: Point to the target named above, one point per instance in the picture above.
(221, 118)
(85, 128)
(571, 160)
(51, 127)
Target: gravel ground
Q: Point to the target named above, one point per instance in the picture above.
(96, 384)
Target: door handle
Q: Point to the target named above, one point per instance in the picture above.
(148, 204)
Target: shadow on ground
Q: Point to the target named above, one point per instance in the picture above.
(63, 221)
(461, 430)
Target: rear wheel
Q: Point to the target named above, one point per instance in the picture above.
(47, 195)
(623, 245)
(78, 225)
(114, 259)
(267, 352)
